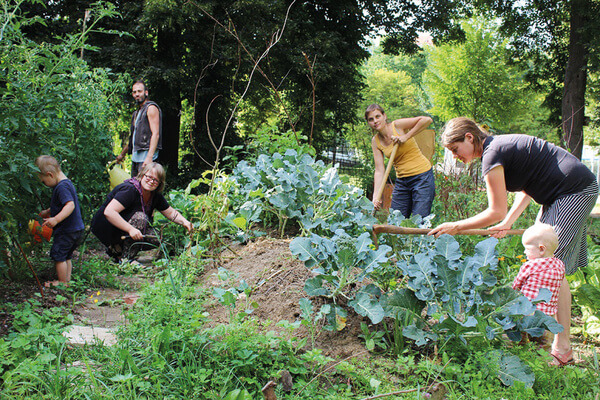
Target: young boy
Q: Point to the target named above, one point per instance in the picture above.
(542, 270)
(64, 216)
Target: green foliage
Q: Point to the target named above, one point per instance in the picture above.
(585, 284)
(339, 263)
(230, 294)
(474, 78)
(52, 103)
(33, 345)
(310, 319)
(295, 187)
(394, 92)
(207, 212)
(372, 339)
(270, 139)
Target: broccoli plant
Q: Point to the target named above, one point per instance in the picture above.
(295, 187)
(339, 264)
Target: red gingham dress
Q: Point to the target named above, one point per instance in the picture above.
(541, 273)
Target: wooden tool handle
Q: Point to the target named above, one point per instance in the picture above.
(145, 236)
(377, 196)
(401, 230)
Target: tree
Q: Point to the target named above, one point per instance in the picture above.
(538, 29)
(474, 78)
(184, 50)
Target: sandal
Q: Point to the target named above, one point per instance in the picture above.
(561, 359)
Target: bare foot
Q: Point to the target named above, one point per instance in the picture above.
(56, 283)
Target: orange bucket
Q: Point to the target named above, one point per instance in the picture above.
(39, 232)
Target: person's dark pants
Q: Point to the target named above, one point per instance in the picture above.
(414, 194)
(64, 244)
(135, 168)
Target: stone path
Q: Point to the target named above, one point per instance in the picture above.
(103, 311)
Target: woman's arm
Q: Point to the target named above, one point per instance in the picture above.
(521, 202)
(496, 210)
(174, 216)
(112, 214)
(411, 126)
(379, 172)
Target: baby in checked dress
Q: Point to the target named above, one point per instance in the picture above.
(542, 269)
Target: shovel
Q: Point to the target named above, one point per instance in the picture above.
(401, 230)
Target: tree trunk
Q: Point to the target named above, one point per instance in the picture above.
(169, 100)
(573, 103)
(167, 93)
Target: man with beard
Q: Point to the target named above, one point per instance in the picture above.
(145, 139)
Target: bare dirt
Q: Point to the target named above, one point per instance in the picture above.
(277, 279)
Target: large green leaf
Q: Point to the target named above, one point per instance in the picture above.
(400, 303)
(511, 369)
(538, 323)
(420, 336)
(301, 247)
(448, 247)
(314, 287)
(485, 252)
(367, 306)
(588, 296)
(423, 274)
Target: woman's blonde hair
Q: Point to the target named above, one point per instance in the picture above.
(456, 129)
(542, 233)
(160, 173)
(47, 164)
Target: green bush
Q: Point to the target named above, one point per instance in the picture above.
(52, 103)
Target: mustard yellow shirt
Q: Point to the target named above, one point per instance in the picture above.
(409, 160)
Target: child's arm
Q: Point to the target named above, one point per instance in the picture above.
(521, 278)
(60, 217)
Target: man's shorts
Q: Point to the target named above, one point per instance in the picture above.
(64, 244)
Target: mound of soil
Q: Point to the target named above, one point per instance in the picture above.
(277, 279)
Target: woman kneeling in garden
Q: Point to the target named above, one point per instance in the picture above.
(538, 170)
(128, 211)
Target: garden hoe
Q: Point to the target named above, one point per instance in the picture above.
(401, 230)
(377, 196)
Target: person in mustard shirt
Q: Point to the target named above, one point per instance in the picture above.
(415, 186)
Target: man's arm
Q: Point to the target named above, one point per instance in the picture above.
(154, 121)
(125, 150)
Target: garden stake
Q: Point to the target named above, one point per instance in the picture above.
(30, 267)
(401, 230)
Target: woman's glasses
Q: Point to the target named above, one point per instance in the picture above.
(152, 180)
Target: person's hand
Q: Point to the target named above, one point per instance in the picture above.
(188, 225)
(50, 222)
(135, 234)
(450, 228)
(378, 204)
(499, 230)
(119, 158)
(398, 139)
(147, 161)
(45, 213)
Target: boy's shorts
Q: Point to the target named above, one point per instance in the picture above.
(64, 245)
